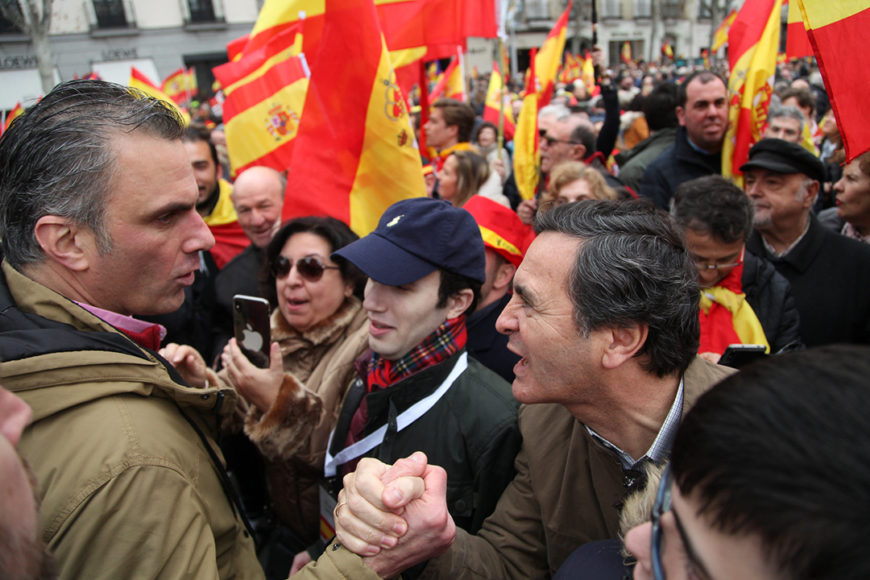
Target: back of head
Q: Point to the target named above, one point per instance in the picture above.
(472, 171)
(631, 268)
(659, 107)
(58, 159)
(715, 205)
(584, 134)
(781, 450)
(459, 114)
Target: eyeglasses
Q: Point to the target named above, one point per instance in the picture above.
(704, 266)
(661, 506)
(309, 267)
(550, 140)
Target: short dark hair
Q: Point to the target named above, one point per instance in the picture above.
(631, 267)
(705, 76)
(805, 97)
(457, 113)
(451, 284)
(660, 107)
(58, 159)
(196, 132)
(482, 126)
(715, 205)
(336, 233)
(584, 134)
(782, 450)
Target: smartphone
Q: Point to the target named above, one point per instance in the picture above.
(740, 355)
(251, 328)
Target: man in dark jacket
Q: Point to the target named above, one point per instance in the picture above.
(419, 389)
(702, 111)
(716, 219)
(829, 273)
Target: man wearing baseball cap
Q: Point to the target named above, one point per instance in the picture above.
(505, 239)
(418, 389)
(829, 274)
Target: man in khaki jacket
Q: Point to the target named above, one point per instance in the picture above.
(604, 316)
(98, 217)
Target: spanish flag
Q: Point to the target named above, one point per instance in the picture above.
(526, 138)
(495, 109)
(836, 31)
(752, 46)
(264, 106)
(452, 82)
(550, 56)
(16, 112)
(277, 16)
(626, 52)
(720, 37)
(180, 86)
(589, 74)
(138, 80)
(353, 157)
(236, 46)
(797, 43)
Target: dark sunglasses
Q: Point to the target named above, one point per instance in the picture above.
(309, 267)
(551, 140)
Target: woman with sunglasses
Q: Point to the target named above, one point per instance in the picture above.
(318, 330)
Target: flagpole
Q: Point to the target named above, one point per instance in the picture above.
(595, 36)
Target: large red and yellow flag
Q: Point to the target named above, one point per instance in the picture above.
(496, 109)
(526, 139)
(16, 112)
(797, 42)
(752, 48)
(550, 56)
(180, 86)
(277, 16)
(138, 80)
(354, 157)
(836, 31)
(720, 37)
(265, 93)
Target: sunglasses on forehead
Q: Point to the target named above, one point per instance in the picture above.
(309, 268)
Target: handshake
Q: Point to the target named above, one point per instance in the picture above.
(394, 516)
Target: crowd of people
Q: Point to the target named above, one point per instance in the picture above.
(484, 386)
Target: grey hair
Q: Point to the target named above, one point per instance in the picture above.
(631, 267)
(57, 159)
(789, 111)
(559, 111)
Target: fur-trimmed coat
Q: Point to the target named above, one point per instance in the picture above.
(292, 435)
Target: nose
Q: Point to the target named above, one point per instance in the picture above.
(751, 189)
(14, 416)
(199, 236)
(839, 186)
(372, 301)
(507, 320)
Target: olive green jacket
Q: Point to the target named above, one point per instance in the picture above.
(131, 481)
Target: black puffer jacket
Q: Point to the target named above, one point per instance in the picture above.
(769, 294)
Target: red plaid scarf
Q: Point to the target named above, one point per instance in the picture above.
(447, 340)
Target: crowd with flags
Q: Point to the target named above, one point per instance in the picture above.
(352, 117)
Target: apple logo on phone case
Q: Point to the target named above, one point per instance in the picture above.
(252, 340)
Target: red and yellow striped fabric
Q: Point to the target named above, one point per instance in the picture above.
(496, 109)
(526, 138)
(353, 157)
(836, 32)
(550, 56)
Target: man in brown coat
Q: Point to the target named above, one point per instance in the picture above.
(608, 368)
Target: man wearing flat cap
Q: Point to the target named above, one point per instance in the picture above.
(829, 274)
(418, 389)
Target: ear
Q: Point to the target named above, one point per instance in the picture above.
(458, 302)
(65, 242)
(579, 152)
(812, 192)
(504, 275)
(348, 290)
(681, 116)
(624, 343)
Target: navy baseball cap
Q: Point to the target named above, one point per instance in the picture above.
(414, 238)
(785, 157)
